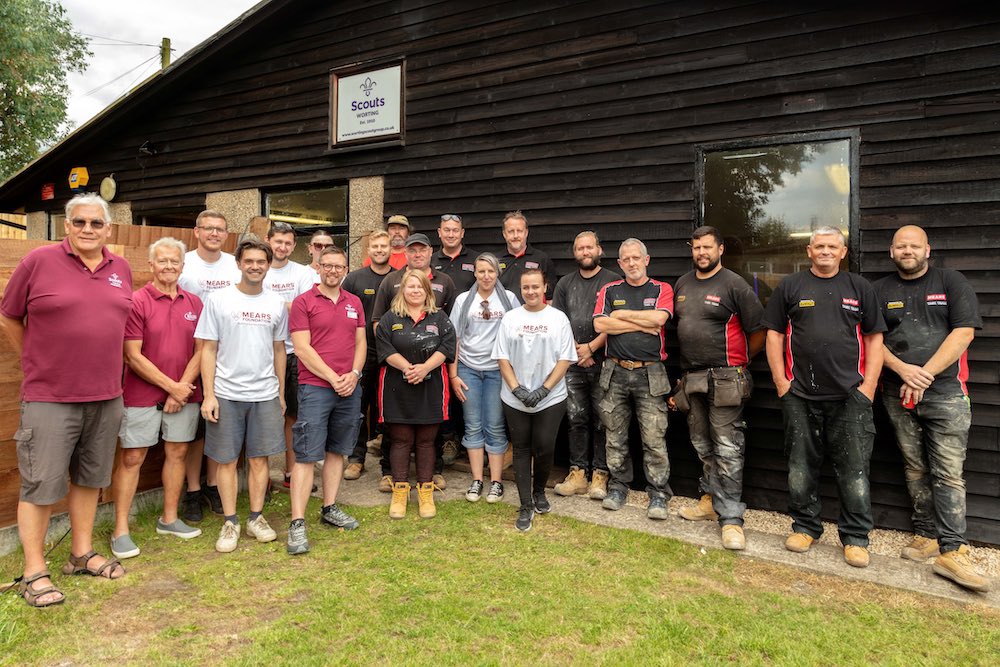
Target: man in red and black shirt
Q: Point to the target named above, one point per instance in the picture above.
(824, 347)
(931, 315)
(632, 313)
(719, 330)
(521, 256)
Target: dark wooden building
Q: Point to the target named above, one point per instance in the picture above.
(633, 118)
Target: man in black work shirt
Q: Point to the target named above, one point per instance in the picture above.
(455, 258)
(719, 331)
(576, 295)
(521, 256)
(824, 347)
(364, 284)
(931, 315)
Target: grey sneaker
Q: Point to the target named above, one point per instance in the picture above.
(524, 517)
(496, 492)
(229, 537)
(542, 505)
(475, 491)
(124, 547)
(261, 529)
(614, 501)
(332, 515)
(178, 529)
(297, 542)
(657, 508)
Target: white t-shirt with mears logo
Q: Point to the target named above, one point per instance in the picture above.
(246, 327)
(288, 282)
(533, 343)
(201, 278)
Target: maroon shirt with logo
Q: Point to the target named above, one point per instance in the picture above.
(332, 326)
(75, 324)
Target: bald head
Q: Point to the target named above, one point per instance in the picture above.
(910, 231)
(910, 251)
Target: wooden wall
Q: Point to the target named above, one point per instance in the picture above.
(588, 114)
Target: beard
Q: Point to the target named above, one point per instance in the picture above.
(711, 265)
(919, 266)
(588, 263)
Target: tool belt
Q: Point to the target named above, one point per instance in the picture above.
(630, 365)
(725, 387)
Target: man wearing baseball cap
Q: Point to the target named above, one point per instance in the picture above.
(399, 230)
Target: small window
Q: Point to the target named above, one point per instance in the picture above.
(766, 199)
(309, 210)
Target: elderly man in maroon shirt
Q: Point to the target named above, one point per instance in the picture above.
(64, 311)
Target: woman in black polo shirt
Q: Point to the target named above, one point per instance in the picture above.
(414, 340)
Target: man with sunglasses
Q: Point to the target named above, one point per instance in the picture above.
(398, 227)
(455, 258)
(64, 311)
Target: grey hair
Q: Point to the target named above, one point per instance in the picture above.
(633, 241)
(490, 259)
(827, 231)
(88, 199)
(166, 242)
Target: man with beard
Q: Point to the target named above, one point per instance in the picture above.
(576, 296)
(521, 256)
(931, 315)
(364, 284)
(455, 258)
(719, 330)
(398, 227)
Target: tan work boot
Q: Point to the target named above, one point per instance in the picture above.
(920, 549)
(375, 445)
(574, 484)
(733, 538)
(955, 565)
(701, 512)
(353, 470)
(425, 500)
(400, 495)
(856, 556)
(385, 484)
(598, 485)
(508, 456)
(439, 482)
(799, 542)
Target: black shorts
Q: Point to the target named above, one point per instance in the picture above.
(292, 386)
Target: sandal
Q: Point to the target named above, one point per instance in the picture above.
(31, 595)
(78, 565)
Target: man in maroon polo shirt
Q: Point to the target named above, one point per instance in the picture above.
(64, 311)
(328, 332)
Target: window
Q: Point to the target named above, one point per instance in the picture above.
(766, 199)
(309, 210)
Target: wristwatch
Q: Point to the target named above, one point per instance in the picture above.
(356, 372)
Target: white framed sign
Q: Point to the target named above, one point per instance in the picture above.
(367, 104)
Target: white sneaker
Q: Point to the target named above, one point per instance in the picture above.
(229, 537)
(260, 529)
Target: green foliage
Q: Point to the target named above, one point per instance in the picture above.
(37, 49)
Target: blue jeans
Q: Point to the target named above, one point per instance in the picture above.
(327, 422)
(483, 413)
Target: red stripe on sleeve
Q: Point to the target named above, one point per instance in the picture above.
(665, 299)
(381, 392)
(963, 372)
(601, 298)
(861, 351)
(736, 343)
(446, 393)
(789, 360)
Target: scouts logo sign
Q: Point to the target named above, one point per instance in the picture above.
(367, 104)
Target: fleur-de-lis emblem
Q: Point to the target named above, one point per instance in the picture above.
(368, 85)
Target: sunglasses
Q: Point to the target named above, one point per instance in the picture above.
(451, 216)
(322, 246)
(486, 310)
(80, 223)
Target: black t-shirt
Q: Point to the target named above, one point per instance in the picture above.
(713, 318)
(920, 314)
(461, 269)
(363, 283)
(399, 401)
(441, 285)
(511, 268)
(620, 295)
(576, 296)
(824, 320)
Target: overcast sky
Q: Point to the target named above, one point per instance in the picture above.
(113, 70)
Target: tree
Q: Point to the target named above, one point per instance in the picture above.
(38, 48)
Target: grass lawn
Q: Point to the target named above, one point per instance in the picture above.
(467, 589)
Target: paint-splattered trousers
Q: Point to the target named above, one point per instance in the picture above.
(717, 435)
(628, 390)
(933, 438)
(844, 430)
(584, 427)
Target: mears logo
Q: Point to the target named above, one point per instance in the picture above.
(432, 329)
(437, 288)
(712, 297)
(216, 284)
(190, 316)
(851, 302)
(937, 299)
(252, 318)
(649, 303)
(468, 267)
(531, 265)
(115, 280)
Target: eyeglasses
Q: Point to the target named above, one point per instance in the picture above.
(451, 216)
(333, 267)
(321, 246)
(486, 310)
(80, 223)
(213, 230)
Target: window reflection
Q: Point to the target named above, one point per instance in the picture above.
(309, 210)
(766, 200)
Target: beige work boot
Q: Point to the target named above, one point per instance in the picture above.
(957, 566)
(400, 496)
(375, 445)
(701, 512)
(856, 556)
(425, 500)
(574, 484)
(385, 484)
(508, 456)
(598, 485)
(353, 470)
(733, 538)
(799, 542)
(920, 549)
(439, 482)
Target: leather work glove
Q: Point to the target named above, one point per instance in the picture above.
(521, 394)
(536, 397)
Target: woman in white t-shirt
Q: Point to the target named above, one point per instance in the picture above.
(475, 375)
(537, 341)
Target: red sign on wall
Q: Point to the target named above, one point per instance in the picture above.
(48, 191)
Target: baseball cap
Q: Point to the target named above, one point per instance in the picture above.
(398, 220)
(418, 238)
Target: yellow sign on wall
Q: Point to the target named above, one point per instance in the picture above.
(78, 177)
